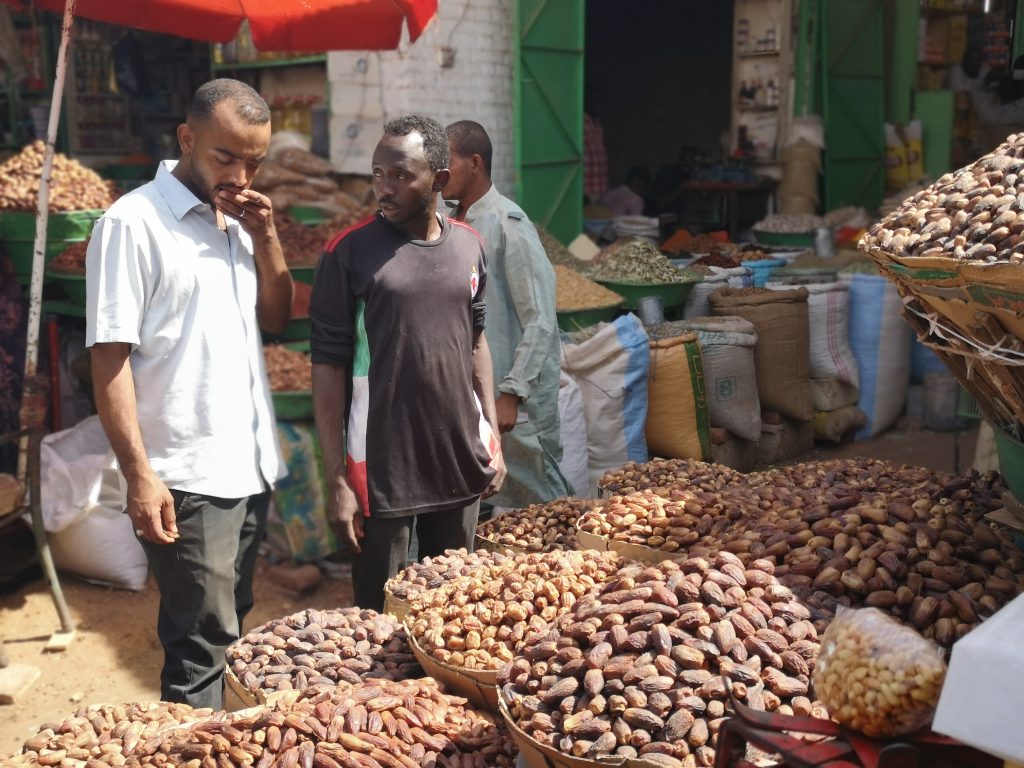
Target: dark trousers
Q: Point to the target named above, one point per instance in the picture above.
(205, 582)
(385, 546)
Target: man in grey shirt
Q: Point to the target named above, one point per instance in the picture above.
(521, 325)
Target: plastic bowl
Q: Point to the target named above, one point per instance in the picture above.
(672, 294)
(1011, 462)
(577, 319)
(73, 285)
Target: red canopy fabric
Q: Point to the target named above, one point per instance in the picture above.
(276, 25)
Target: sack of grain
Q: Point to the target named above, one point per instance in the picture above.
(783, 344)
(678, 425)
(730, 375)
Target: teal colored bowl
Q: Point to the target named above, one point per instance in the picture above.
(293, 406)
(805, 239)
(672, 294)
(762, 269)
(578, 319)
(61, 225)
(308, 215)
(72, 285)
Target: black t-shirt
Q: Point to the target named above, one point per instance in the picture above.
(400, 316)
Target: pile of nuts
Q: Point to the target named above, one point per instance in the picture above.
(538, 527)
(574, 292)
(377, 724)
(73, 187)
(478, 622)
(857, 532)
(969, 214)
(790, 223)
(642, 668)
(288, 370)
(665, 475)
(71, 260)
(322, 647)
(301, 244)
(102, 735)
(433, 572)
(878, 676)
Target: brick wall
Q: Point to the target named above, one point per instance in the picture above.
(369, 88)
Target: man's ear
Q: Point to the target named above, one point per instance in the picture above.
(478, 164)
(441, 179)
(186, 138)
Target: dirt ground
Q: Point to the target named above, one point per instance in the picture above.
(115, 656)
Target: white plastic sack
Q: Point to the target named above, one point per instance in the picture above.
(610, 363)
(89, 535)
(828, 315)
(72, 462)
(881, 342)
(720, 277)
(101, 547)
(730, 373)
(573, 431)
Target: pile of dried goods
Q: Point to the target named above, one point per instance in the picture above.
(643, 668)
(640, 263)
(556, 252)
(301, 295)
(719, 259)
(73, 187)
(107, 735)
(288, 370)
(790, 223)
(846, 532)
(665, 475)
(479, 621)
(71, 260)
(539, 527)
(303, 244)
(433, 572)
(574, 292)
(377, 724)
(971, 214)
(330, 646)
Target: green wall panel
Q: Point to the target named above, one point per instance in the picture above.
(549, 119)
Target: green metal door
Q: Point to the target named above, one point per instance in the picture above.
(853, 102)
(549, 114)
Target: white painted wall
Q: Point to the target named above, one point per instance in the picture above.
(367, 89)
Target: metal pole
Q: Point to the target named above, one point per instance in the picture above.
(42, 214)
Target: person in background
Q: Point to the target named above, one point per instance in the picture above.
(595, 156)
(522, 331)
(970, 74)
(666, 189)
(399, 353)
(627, 199)
(181, 276)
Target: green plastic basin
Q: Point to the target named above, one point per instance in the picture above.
(308, 215)
(20, 253)
(303, 274)
(1011, 462)
(672, 294)
(62, 225)
(574, 320)
(293, 406)
(72, 285)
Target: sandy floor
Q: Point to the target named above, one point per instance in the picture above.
(116, 657)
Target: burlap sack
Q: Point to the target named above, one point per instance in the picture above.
(678, 425)
(783, 344)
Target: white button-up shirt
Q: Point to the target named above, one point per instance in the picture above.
(162, 277)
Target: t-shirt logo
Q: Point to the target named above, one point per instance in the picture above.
(474, 282)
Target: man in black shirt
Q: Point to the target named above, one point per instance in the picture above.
(399, 353)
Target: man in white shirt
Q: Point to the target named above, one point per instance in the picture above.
(627, 199)
(181, 275)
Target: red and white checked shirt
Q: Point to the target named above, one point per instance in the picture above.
(595, 159)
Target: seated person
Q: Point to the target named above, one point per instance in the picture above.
(628, 198)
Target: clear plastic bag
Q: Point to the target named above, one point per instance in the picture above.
(876, 675)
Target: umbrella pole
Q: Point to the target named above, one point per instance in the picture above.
(33, 401)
